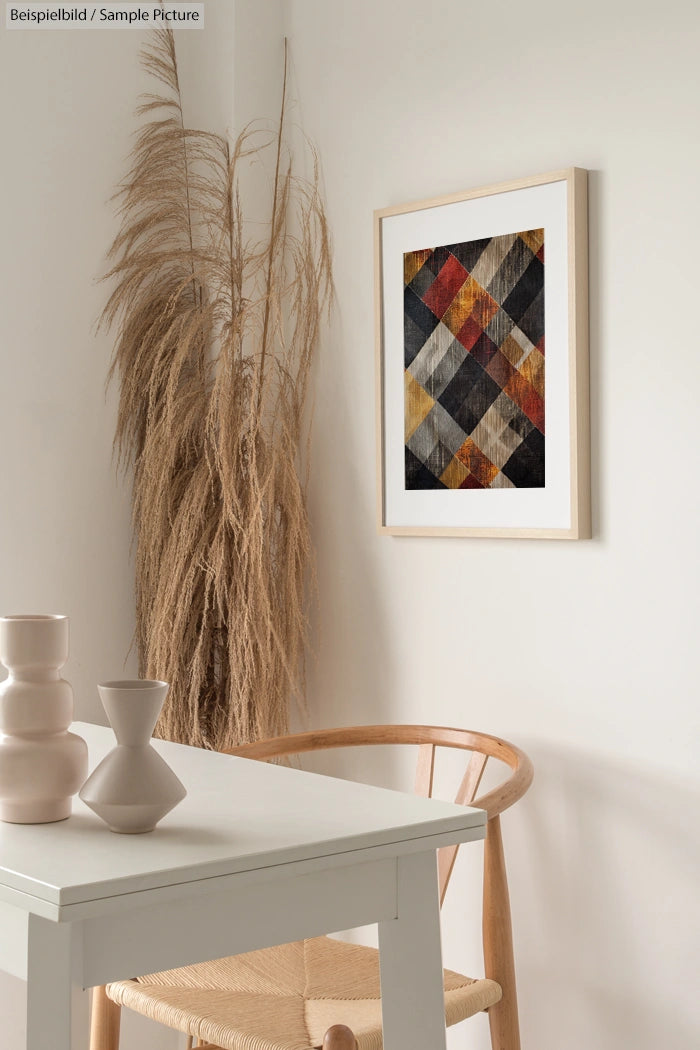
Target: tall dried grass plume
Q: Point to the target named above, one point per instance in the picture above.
(215, 335)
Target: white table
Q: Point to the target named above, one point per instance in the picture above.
(256, 855)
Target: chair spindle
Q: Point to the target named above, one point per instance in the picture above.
(467, 790)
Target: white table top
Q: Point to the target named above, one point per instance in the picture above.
(239, 815)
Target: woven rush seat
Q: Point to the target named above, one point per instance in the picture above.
(284, 998)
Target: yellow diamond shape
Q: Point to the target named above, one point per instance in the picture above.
(417, 404)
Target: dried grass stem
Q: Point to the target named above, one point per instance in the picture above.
(215, 335)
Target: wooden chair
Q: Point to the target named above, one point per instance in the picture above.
(278, 998)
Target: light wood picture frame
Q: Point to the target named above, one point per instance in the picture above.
(482, 362)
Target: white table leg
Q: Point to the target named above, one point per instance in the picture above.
(410, 958)
(57, 1007)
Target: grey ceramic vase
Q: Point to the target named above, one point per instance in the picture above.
(133, 787)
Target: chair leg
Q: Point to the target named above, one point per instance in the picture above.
(104, 1023)
(339, 1037)
(498, 942)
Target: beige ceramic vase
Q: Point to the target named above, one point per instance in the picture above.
(41, 764)
(133, 787)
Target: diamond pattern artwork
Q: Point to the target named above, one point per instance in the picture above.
(474, 364)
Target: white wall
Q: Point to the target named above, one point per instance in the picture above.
(581, 652)
(64, 523)
(66, 113)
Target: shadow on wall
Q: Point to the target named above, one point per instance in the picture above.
(604, 864)
(352, 610)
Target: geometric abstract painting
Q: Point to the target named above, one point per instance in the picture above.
(474, 375)
(463, 312)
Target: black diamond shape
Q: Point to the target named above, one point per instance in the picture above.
(413, 340)
(532, 321)
(470, 394)
(515, 262)
(480, 398)
(469, 252)
(525, 468)
(528, 287)
(418, 319)
(468, 373)
(483, 349)
(437, 259)
(418, 476)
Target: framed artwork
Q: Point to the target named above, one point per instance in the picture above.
(482, 362)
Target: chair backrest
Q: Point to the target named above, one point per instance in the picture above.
(496, 923)
(481, 747)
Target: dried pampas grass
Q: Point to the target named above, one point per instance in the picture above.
(215, 338)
